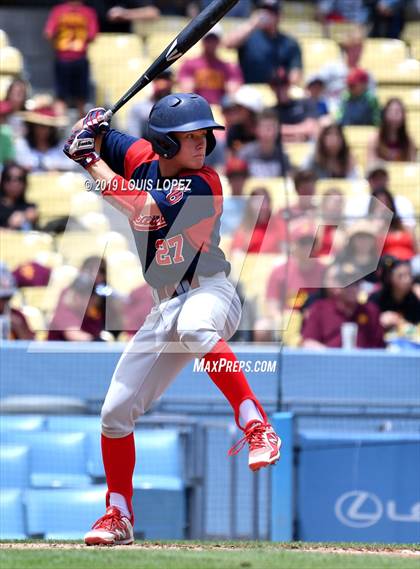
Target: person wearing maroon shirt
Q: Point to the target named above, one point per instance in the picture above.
(322, 326)
(70, 27)
(13, 324)
(208, 75)
(136, 309)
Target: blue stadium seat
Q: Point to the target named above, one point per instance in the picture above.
(158, 452)
(56, 459)
(12, 521)
(14, 466)
(64, 513)
(73, 423)
(21, 422)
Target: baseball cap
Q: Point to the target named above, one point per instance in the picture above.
(235, 165)
(216, 31)
(248, 97)
(356, 76)
(7, 282)
(273, 5)
(314, 78)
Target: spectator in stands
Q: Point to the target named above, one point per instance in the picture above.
(265, 156)
(237, 172)
(342, 11)
(13, 324)
(361, 251)
(335, 73)
(31, 274)
(304, 182)
(331, 217)
(378, 177)
(15, 211)
(262, 48)
(291, 281)
(16, 96)
(332, 157)
(386, 18)
(393, 141)
(396, 300)
(241, 111)
(209, 75)
(358, 105)
(139, 113)
(400, 240)
(298, 117)
(7, 146)
(260, 231)
(41, 150)
(70, 27)
(136, 308)
(139, 12)
(323, 324)
(241, 10)
(315, 89)
(88, 307)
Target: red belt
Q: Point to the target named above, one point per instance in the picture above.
(176, 289)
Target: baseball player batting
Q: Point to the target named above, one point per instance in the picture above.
(173, 203)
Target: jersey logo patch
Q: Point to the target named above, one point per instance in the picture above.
(174, 196)
(148, 222)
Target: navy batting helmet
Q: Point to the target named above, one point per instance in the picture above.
(179, 112)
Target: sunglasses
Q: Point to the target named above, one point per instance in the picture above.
(14, 178)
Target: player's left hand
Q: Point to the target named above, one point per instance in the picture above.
(80, 147)
(96, 121)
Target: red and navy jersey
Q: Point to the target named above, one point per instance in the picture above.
(183, 240)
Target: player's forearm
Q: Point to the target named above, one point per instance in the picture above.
(121, 193)
(237, 37)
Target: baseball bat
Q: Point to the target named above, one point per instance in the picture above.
(188, 37)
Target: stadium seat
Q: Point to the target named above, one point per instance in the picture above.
(357, 138)
(5, 81)
(410, 96)
(95, 221)
(276, 188)
(173, 24)
(415, 48)
(124, 271)
(12, 519)
(318, 52)
(159, 453)
(18, 247)
(114, 48)
(298, 152)
(21, 422)
(301, 28)
(298, 11)
(244, 269)
(347, 187)
(75, 246)
(56, 459)
(4, 40)
(339, 31)
(14, 466)
(411, 31)
(380, 50)
(63, 513)
(405, 180)
(73, 423)
(405, 72)
(11, 61)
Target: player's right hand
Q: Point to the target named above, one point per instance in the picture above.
(80, 147)
(96, 121)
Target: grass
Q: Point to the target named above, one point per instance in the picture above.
(194, 555)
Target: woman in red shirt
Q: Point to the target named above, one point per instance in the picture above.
(260, 230)
(400, 241)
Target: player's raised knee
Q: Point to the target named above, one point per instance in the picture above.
(116, 422)
(198, 341)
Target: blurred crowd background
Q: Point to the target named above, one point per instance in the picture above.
(319, 165)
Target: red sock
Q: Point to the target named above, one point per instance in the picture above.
(119, 457)
(230, 379)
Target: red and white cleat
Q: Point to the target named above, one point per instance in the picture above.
(112, 529)
(264, 445)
